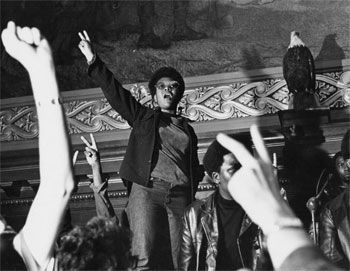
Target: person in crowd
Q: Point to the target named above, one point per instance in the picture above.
(103, 205)
(217, 233)
(98, 245)
(71, 253)
(146, 13)
(161, 164)
(335, 216)
(337, 179)
(255, 187)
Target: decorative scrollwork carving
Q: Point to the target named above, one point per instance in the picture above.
(203, 103)
(92, 116)
(18, 123)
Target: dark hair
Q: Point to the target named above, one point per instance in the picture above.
(214, 157)
(167, 72)
(98, 245)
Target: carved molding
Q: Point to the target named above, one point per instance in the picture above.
(90, 196)
(203, 103)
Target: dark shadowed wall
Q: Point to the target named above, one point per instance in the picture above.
(242, 35)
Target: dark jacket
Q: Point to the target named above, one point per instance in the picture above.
(136, 166)
(199, 246)
(335, 230)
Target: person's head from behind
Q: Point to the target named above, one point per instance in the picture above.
(167, 88)
(220, 164)
(98, 245)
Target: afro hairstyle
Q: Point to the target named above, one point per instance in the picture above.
(167, 72)
(214, 157)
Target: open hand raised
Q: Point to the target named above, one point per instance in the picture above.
(85, 46)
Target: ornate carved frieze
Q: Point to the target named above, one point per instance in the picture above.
(18, 123)
(90, 196)
(202, 103)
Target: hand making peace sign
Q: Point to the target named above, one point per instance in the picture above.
(254, 186)
(85, 46)
(91, 152)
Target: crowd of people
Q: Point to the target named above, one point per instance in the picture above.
(245, 223)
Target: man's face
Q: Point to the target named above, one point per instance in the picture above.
(343, 169)
(229, 166)
(167, 91)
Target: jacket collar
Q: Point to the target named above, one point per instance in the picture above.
(209, 223)
(209, 217)
(210, 226)
(209, 213)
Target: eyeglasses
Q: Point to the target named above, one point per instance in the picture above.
(347, 162)
(173, 85)
(343, 163)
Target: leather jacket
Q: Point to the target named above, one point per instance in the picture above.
(199, 246)
(335, 230)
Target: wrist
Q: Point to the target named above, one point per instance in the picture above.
(279, 214)
(96, 166)
(283, 223)
(49, 101)
(292, 239)
(90, 58)
(44, 84)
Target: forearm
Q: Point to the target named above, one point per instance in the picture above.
(103, 204)
(117, 96)
(56, 177)
(284, 242)
(284, 232)
(97, 174)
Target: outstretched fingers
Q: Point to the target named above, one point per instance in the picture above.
(238, 149)
(93, 142)
(259, 144)
(84, 36)
(81, 36)
(85, 141)
(75, 157)
(267, 173)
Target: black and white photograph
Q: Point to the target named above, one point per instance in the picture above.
(175, 135)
